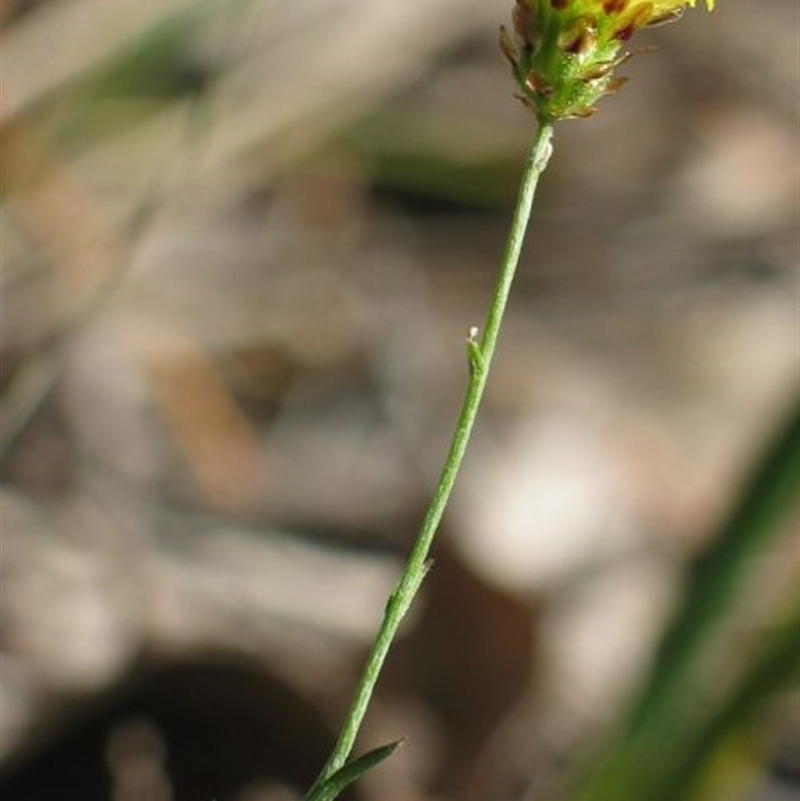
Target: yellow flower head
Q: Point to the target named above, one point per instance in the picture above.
(566, 50)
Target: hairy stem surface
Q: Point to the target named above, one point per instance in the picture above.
(480, 350)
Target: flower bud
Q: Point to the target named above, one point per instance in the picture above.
(563, 53)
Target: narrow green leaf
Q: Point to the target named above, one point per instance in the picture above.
(712, 578)
(353, 770)
(775, 667)
(665, 714)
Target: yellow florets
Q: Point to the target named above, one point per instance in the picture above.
(566, 50)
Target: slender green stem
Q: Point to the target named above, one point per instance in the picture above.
(480, 352)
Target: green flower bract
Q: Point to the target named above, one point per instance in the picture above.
(564, 52)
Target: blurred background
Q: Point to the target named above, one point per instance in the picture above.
(242, 245)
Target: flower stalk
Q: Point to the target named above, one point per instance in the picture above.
(563, 54)
(480, 350)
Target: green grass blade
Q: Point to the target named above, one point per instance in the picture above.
(665, 714)
(714, 576)
(776, 667)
